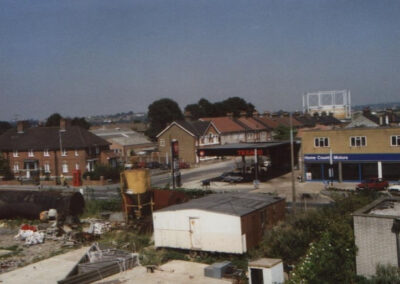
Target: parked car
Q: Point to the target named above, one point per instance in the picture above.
(373, 183)
(395, 187)
(153, 165)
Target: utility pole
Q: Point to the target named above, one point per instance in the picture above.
(292, 166)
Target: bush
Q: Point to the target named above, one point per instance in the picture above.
(94, 207)
(106, 171)
(326, 233)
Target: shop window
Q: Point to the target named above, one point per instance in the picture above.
(395, 140)
(321, 142)
(358, 141)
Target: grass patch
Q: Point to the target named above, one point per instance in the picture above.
(93, 208)
(125, 240)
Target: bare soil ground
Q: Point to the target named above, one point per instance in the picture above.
(21, 255)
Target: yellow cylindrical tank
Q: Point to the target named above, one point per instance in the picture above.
(138, 180)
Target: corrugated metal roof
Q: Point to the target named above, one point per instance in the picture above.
(237, 204)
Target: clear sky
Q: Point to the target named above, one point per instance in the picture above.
(85, 57)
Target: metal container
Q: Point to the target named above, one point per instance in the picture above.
(137, 181)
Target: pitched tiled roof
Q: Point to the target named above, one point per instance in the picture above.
(225, 124)
(196, 127)
(39, 138)
(268, 121)
(252, 123)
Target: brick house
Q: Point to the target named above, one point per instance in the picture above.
(190, 135)
(52, 151)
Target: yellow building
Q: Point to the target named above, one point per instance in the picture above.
(352, 154)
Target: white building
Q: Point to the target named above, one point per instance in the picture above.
(231, 223)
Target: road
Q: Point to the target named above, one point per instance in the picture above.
(160, 180)
(188, 175)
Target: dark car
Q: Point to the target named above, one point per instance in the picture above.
(153, 165)
(373, 183)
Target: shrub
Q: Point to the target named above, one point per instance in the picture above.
(106, 171)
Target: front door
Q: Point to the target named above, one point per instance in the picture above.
(195, 233)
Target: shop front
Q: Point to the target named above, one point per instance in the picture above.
(351, 167)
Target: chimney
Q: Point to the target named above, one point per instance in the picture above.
(229, 114)
(21, 126)
(366, 110)
(243, 113)
(64, 124)
(188, 115)
(256, 114)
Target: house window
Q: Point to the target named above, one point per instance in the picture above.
(46, 167)
(97, 150)
(395, 140)
(358, 141)
(76, 153)
(46, 152)
(65, 167)
(15, 154)
(63, 152)
(30, 153)
(321, 142)
(77, 166)
(162, 142)
(16, 168)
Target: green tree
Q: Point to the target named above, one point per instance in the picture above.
(282, 132)
(5, 170)
(80, 121)
(4, 126)
(160, 114)
(53, 120)
(236, 105)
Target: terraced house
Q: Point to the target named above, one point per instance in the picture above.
(53, 151)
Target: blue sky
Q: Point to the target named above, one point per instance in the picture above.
(95, 57)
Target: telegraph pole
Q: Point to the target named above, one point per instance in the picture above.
(292, 166)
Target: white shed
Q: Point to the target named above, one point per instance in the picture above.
(230, 223)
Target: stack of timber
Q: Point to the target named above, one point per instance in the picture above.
(98, 264)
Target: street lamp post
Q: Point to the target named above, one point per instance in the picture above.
(292, 166)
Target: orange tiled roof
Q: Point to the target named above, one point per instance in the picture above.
(252, 123)
(224, 124)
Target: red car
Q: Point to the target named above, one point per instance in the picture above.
(373, 183)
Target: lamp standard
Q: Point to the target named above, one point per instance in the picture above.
(292, 165)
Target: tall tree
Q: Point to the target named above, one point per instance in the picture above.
(160, 114)
(4, 126)
(53, 120)
(206, 109)
(80, 121)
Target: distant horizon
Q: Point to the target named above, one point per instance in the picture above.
(81, 58)
(145, 112)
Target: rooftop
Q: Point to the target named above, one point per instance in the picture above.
(387, 207)
(237, 204)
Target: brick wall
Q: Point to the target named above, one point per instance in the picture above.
(375, 242)
(54, 159)
(187, 148)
